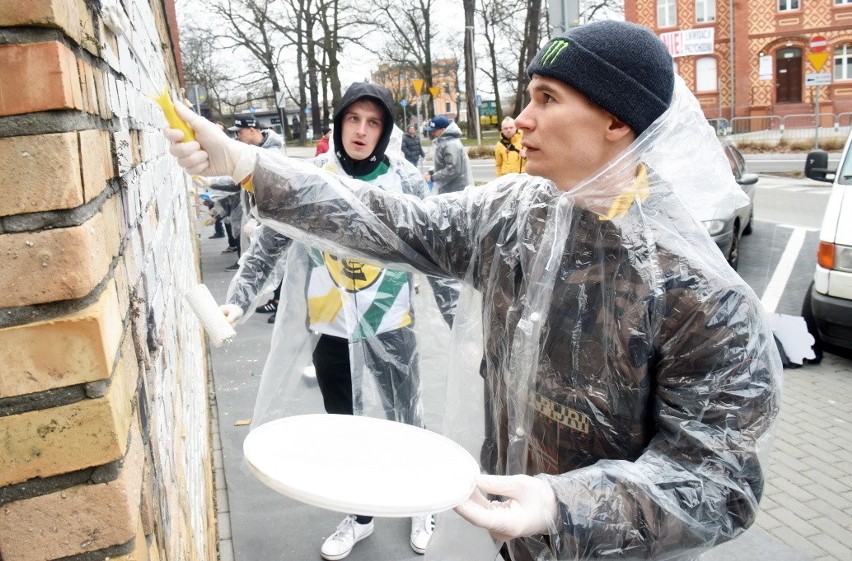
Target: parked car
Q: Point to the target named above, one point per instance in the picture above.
(727, 229)
(827, 307)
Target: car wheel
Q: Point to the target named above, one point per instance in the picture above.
(748, 230)
(734, 250)
(808, 315)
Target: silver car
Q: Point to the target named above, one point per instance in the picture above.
(727, 229)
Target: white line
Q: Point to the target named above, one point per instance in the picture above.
(775, 288)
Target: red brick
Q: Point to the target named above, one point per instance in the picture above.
(61, 14)
(46, 77)
(79, 519)
(46, 442)
(74, 349)
(95, 161)
(58, 264)
(40, 172)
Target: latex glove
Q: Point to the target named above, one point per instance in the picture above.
(530, 507)
(250, 227)
(213, 153)
(231, 312)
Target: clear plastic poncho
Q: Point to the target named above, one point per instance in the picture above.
(601, 340)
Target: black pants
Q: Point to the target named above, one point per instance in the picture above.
(392, 360)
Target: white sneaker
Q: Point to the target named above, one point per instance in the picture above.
(348, 533)
(421, 532)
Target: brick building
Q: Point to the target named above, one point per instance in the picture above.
(398, 79)
(759, 61)
(105, 446)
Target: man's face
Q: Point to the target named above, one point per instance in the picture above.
(411, 131)
(363, 123)
(564, 133)
(249, 136)
(508, 129)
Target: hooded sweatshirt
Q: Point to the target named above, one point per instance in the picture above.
(357, 92)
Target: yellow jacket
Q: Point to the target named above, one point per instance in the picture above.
(507, 160)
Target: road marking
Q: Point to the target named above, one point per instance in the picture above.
(775, 288)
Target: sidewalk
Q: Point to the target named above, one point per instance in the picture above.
(806, 511)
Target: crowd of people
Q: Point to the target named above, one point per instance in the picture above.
(628, 380)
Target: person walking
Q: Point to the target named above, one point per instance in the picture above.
(452, 171)
(411, 147)
(353, 307)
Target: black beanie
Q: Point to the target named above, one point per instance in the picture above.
(622, 67)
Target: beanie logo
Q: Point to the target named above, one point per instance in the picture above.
(553, 51)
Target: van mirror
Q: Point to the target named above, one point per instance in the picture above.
(816, 166)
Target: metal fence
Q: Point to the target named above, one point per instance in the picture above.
(775, 129)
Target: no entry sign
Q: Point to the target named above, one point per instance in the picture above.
(818, 44)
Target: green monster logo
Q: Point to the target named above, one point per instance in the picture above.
(553, 51)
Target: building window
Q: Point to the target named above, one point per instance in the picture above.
(666, 13)
(448, 106)
(705, 74)
(447, 89)
(788, 5)
(705, 10)
(843, 62)
(842, 2)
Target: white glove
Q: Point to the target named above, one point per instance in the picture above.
(231, 312)
(212, 153)
(250, 227)
(530, 507)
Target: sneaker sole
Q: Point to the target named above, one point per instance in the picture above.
(421, 551)
(345, 554)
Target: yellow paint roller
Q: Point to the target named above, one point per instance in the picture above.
(165, 102)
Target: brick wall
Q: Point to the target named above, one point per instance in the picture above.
(104, 440)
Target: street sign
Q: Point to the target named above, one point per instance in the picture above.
(818, 79)
(404, 102)
(435, 90)
(418, 85)
(818, 60)
(252, 109)
(818, 44)
(479, 100)
(275, 120)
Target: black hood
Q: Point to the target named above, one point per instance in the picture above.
(356, 92)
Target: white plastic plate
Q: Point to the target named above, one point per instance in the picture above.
(361, 465)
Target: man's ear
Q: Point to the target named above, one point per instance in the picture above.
(617, 130)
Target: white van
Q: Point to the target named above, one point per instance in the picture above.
(828, 304)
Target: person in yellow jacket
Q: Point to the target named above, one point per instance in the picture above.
(509, 153)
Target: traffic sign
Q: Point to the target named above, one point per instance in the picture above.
(418, 85)
(478, 100)
(403, 102)
(818, 79)
(435, 90)
(818, 60)
(818, 44)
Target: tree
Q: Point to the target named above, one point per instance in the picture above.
(203, 65)
(470, 66)
(410, 42)
(529, 47)
(502, 34)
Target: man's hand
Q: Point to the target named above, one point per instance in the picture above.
(212, 153)
(231, 312)
(530, 507)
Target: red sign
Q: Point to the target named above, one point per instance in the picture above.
(818, 44)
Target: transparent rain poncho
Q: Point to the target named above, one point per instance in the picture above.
(601, 341)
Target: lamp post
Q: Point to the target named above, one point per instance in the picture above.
(469, 28)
